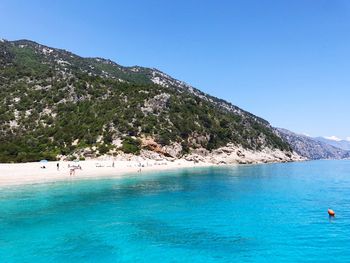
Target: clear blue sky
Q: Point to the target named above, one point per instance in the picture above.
(286, 61)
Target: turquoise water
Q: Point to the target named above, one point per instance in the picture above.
(258, 213)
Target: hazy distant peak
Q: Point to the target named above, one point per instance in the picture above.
(332, 138)
(314, 148)
(336, 142)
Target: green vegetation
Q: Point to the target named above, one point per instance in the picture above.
(56, 103)
(131, 145)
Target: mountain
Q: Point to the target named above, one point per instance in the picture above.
(55, 104)
(341, 144)
(311, 148)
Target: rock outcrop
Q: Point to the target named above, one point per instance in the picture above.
(232, 154)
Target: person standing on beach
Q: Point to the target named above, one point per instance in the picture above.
(58, 166)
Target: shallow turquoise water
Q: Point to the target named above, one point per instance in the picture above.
(259, 213)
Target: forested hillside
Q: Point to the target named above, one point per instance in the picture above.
(55, 103)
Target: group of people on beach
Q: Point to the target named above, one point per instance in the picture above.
(71, 168)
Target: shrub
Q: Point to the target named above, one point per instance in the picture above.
(131, 145)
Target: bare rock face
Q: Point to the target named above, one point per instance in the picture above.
(156, 104)
(150, 155)
(200, 151)
(173, 150)
(117, 142)
(232, 154)
(195, 158)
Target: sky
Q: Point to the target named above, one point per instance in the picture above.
(287, 61)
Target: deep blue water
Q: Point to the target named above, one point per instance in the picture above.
(258, 213)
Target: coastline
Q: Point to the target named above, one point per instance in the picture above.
(16, 174)
(12, 174)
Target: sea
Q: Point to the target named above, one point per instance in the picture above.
(245, 213)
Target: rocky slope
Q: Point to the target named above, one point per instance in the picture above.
(341, 144)
(311, 148)
(55, 104)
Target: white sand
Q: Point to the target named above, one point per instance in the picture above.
(32, 173)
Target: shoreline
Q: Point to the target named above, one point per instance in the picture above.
(21, 174)
(12, 174)
(18, 174)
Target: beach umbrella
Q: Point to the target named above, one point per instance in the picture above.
(44, 161)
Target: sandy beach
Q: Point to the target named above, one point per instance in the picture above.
(33, 173)
(116, 167)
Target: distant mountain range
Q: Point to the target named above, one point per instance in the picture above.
(341, 144)
(312, 148)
